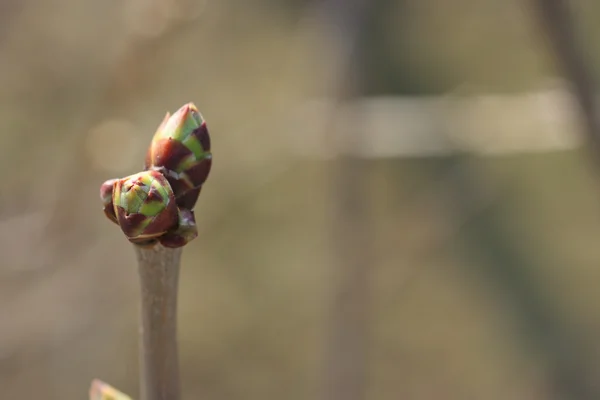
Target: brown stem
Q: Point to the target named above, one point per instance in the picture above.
(158, 269)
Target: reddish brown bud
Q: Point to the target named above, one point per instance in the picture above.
(180, 150)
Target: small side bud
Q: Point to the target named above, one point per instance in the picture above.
(144, 205)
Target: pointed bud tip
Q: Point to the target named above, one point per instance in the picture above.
(186, 109)
(190, 107)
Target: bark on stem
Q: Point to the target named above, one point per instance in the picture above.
(158, 269)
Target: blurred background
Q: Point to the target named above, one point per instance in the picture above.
(403, 204)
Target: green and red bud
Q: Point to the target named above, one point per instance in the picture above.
(145, 206)
(180, 150)
(156, 205)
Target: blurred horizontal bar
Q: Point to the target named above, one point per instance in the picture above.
(488, 124)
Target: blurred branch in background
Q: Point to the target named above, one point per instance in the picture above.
(556, 18)
(509, 272)
(346, 362)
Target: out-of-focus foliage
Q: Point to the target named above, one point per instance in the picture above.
(485, 269)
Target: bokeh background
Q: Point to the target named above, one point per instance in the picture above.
(402, 203)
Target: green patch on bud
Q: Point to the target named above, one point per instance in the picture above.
(145, 206)
(151, 208)
(187, 163)
(143, 194)
(131, 198)
(194, 145)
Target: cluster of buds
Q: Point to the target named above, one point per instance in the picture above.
(156, 205)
